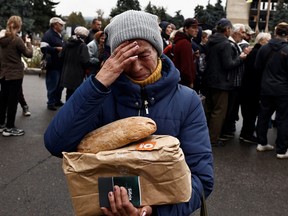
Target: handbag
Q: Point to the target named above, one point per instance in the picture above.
(45, 61)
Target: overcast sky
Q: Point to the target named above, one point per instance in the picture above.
(89, 7)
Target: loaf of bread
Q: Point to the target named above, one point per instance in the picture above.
(117, 134)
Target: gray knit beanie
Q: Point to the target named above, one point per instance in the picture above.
(134, 25)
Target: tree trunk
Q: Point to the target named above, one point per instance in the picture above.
(268, 16)
(258, 17)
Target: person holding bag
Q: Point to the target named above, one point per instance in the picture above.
(138, 80)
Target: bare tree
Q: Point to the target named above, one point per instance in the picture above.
(268, 16)
(258, 17)
(100, 13)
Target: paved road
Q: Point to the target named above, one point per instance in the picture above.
(247, 183)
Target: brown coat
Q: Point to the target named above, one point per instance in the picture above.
(12, 49)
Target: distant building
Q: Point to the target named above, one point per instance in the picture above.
(263, 13)
(238, 11)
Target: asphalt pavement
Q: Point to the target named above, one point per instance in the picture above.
(247, 183)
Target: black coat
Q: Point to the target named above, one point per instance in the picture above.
(219, 62)
(251, 78)
(75, 57)
(272, 63)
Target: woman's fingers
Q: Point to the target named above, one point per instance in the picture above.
(122, 56)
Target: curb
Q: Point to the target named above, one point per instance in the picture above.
(34, 71)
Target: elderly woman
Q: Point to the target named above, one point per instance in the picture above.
(138, 80)
(250, 91)
(75, 60)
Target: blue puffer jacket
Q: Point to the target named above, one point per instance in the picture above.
(176, 109)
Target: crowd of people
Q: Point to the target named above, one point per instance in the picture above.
(222, 67)
(192, 82)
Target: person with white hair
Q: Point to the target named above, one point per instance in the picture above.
(262, 38)
(217, 77)
(75, 58)
(250, 91)
(235, 78)
(247, 37)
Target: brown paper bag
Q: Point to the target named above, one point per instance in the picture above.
(165, 178)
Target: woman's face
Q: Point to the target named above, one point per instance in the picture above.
(168, 30)
(145, 64)
(102, 39)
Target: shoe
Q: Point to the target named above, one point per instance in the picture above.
(283, 156)
(2, 128)
(266, 147)
(219, 143)
(13, 132)
(229, 135)
(249, 139)
(224, 138)
(26, 111)
(59, 104)
(51, 107)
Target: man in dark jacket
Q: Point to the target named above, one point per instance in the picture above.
(219, 62)
(51, 46)
(95, 27)
(184, 59)
(272, 62)
(235, 75)
(138, 80)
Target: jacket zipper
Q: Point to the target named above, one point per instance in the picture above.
(146, 107)
(144, 103)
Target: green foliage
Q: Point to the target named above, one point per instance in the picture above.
(210, 15)
(34, 13)
(43, 11)
(75, 19)
(19, 8)
(124, 5)
(34, 62)
(281, 15)
(177, 20)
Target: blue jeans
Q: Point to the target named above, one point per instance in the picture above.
(54, 91)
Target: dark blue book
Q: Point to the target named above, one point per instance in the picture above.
(131, 183)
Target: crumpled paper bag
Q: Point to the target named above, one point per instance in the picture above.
(165, 178)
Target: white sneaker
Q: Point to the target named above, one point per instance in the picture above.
(262, 148)
(283, 156)
(12, 132)
(26, 111)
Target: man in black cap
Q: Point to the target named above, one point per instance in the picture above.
(219, 62)
(272, 62)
